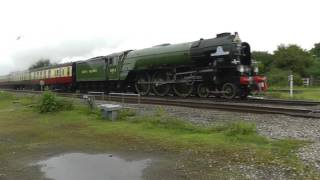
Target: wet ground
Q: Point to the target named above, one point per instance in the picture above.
(81, 166)
(106, 166)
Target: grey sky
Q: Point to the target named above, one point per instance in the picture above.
(65, 30)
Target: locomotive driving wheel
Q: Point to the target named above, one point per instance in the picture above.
(142, 84)
(203, 90)
(229, 90)
(160, 87)
(183, 89)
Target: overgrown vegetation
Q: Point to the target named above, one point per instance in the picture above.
(286, 60)
(226, 143)
(279, 77)
(50, 103)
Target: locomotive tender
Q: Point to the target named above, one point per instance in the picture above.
(221, 66)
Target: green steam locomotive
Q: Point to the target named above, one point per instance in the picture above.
(221, 66)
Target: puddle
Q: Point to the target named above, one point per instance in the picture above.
(81, 166)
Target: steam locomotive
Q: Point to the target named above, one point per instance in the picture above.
(220, 66)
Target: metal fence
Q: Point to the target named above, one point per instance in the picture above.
(311, 81)
(315, 81)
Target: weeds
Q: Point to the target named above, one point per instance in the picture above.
(125, 113)
(240, 128)
(159, 111)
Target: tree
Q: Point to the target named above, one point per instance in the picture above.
(314, 70)
(264, 59)
(316, 50)
(41, 63)
(293, 58)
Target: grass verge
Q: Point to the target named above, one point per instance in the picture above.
(303, 93)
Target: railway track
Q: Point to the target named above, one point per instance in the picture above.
(279, 102)
(192, 103)
(255, 100)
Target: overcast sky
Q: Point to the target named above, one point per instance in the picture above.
(69, 30)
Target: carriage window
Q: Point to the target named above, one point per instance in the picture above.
(110, 61)
(120, 57)
(68, 71)
(115, 60)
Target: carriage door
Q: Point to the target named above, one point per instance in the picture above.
(114, 65)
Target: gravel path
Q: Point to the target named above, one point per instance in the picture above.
(270, 125)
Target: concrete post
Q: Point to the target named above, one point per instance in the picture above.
(291, 85)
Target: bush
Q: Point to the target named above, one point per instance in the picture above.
(50, 103)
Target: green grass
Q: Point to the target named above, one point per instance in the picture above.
(228, 143)
(304, 93)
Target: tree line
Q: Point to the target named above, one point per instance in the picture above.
(289, 59)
